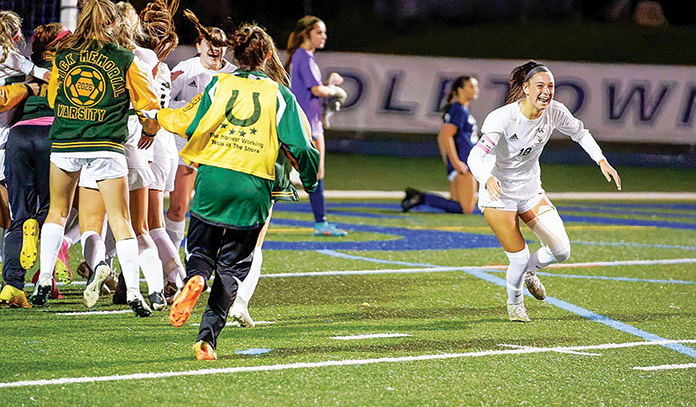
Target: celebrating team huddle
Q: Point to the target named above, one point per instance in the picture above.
(115, 129)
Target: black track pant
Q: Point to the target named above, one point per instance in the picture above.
(27, 155)
(229, 253)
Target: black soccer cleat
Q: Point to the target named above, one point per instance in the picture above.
(413, 198)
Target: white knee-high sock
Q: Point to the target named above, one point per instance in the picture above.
(176, 231)
(150, 263)
(2, 244)
(93, 248)
(515, 275)
(127, 252)
(72, 228)
(168, 254)
(540, 259)
(72, 234)
(51, 239)
(109, 242)
(248, 286)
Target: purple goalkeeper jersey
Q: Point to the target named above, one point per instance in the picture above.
(305, 74)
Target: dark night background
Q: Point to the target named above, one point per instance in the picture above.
(572, 30)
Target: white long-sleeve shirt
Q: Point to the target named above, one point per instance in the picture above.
(15, 64)
(517, 142)
(193, 80)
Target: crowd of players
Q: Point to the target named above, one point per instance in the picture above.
(102, 129)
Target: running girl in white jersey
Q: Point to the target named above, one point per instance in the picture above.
(190, 78)
(516, 134)
(157, 22)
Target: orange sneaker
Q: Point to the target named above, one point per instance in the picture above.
(204, 351)
(182, 306)
(13, 297)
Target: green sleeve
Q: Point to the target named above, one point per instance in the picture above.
(203, 107)
(293, 132)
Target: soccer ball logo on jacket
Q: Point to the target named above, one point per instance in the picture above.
(84, 86)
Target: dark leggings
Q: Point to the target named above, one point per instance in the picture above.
(229, 253)
(27, 163)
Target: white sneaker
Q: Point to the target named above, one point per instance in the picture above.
(240, 315)
(517, 312)
(534, 285)
(91, 293)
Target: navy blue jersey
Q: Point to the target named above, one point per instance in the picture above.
(467, 131)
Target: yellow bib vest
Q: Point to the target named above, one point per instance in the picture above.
(237, 133)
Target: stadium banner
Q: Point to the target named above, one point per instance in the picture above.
(617, 102)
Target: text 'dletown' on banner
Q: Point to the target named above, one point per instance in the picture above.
(617, 102)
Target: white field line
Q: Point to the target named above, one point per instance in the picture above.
(368, 336)
(331, 363)
(492, 267)
(571, 196)
(667, 367)
(571, 352)
(440, 269)
(120, 311)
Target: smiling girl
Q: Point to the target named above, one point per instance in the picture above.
(189, 78)
(516, 135)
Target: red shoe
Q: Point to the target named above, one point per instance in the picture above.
(204, 351)
(182, 306)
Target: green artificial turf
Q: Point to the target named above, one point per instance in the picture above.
(364, 172)
(458, 349)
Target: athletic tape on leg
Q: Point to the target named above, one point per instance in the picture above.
(548, 226)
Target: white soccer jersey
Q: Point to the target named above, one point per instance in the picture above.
(164, 144)
(517, 143)
(193, 80)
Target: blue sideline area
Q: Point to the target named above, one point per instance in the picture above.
(402, 238)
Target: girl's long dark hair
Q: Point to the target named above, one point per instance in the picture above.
(157, 20)
(452, 94)
(251, 44)
(517, 79)
(301, 32)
